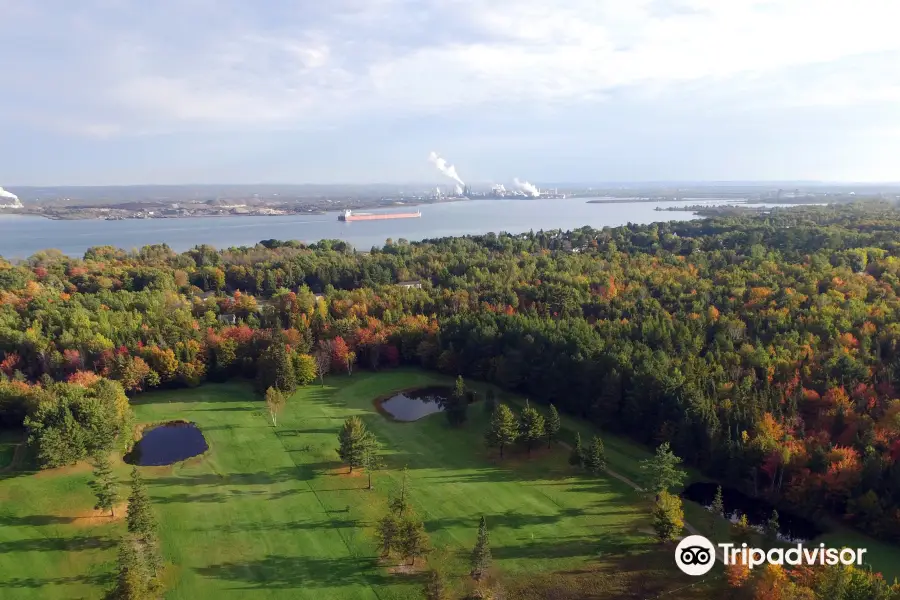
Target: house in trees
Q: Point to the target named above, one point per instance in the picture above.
(410, 284)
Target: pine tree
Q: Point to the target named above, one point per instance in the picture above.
(353, 439)
(387, 532)
(135, 579)
(104, 484)
(595, 461)
(275, 368)
(772, 527)
(371, 461)
(142, 523)
(532, 427)
(413, 541)
(503, 430)
(576, 458)
(606, 408)
(481, 554)
(718, 505)
(662, 472)
(457, 405)
(668, 517)
(435, 588)
(400, 503)
(553, 425)
(275, 401)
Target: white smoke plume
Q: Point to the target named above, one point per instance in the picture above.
(527, 187)
(459, 190)
(10, 195)
(443, 167)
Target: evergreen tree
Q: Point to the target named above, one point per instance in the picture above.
(668, 517)
(371, 461)
(400, 502)
(595, 461)
(772, 527)
(142, 523)
(135, 578)
(435, 588)
(104, 484)
(275, 368)
(458, 404)
(718, 504)
(661, 472)
(481, 554)
(412, 541)
(577, 458)
(387, 532)
(553, 425)
(503, 430)
(531, 429)
(353, 439)
(606, 409)
(275, 401)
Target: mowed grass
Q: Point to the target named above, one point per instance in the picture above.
(271, 513)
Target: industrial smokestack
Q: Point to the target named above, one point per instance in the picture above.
(443, 167)
(527, 187)
(9, 195)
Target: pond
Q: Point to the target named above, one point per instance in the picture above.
(412, 405)
(167, 444)
(792, 528)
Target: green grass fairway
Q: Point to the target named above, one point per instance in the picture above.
(271, 513)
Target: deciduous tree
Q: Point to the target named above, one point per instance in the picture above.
(275, 402)
(668, 517)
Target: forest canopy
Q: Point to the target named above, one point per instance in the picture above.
(764, 348)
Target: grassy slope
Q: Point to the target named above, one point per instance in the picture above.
(268, 512)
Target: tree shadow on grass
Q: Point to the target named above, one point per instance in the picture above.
(35, 520)
(34, 582)
(284, 572)
(281, 475)
(57, 545)
(211, 393)
(291, 526)
(603, 546)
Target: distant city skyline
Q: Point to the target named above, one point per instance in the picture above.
(361, 91)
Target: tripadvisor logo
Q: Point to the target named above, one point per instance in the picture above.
(696, 555)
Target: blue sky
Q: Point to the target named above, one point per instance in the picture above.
(211, 91)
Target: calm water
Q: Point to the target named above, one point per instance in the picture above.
(167, 444)
(415, 404)
(21, 236)
(792, 528)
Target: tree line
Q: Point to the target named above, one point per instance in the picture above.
(764, 349)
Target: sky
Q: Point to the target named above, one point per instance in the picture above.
(99, 92)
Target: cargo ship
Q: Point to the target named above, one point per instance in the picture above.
(348, 215)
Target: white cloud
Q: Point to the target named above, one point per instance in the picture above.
(112, 66)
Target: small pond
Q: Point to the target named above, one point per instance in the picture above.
(412, 405)
(167, 444)
(792, 528)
